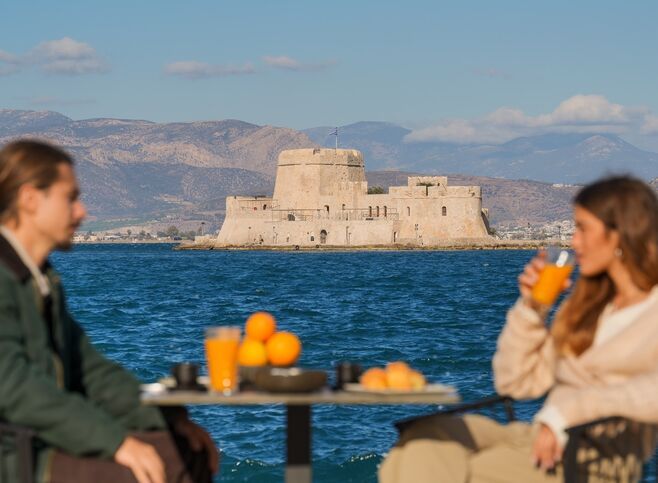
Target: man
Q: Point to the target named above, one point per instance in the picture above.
(84, 409)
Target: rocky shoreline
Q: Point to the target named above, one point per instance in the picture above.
(447, 246)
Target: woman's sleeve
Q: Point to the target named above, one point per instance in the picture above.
(524, 363)
(634, 398)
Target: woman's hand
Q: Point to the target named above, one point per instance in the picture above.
(546, 451)
(529, 278)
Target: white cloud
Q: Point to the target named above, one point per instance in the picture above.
(8, 63)
(7, 57)
(288, 63)
(650, 125)
(580, 113)
(67, 56)
(192, 69)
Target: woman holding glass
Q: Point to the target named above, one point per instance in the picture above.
(598, 358)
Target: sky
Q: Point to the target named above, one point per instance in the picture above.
(464, 72)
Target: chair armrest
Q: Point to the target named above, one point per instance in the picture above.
(23, 437)
(577, 435)
(462, 408)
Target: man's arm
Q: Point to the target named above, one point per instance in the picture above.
(112, 387)
(30, 397)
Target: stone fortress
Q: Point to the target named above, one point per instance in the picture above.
(321, 198)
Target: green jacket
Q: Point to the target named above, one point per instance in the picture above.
(55, 381)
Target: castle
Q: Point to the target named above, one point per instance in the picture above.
(321, 198)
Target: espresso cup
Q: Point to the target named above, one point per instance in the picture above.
(185, 374)
(347, 372)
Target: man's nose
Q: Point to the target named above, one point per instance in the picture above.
(81, 211)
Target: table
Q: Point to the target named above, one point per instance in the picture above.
(298, 414)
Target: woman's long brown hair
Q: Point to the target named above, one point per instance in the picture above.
(630, 207)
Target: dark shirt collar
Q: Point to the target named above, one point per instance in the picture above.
(13, 262)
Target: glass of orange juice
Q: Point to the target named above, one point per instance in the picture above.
(559, 265)
(222, 357)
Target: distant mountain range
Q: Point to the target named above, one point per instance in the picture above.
(146, 170)
(552, 158)
(141, 170)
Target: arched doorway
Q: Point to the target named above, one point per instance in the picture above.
(323, 236)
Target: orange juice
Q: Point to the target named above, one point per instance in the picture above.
(222, 356)
(550, 283)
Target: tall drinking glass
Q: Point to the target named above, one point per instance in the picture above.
(222, 356)
(559, 265)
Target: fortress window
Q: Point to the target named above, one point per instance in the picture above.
(343, 205)
(408, 211)
(385, 212)
(312, 238)
(326, 207)
(264, 207)
(323, 236)
(444, 211)
(370, 211)
(378, 212)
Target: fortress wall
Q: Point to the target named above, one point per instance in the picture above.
(413, 181)
(465, 191)
(306, 233)
(247, 206)
(424, 216)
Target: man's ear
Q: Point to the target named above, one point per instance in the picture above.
(28, 199)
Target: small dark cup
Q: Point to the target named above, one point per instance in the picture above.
(185, 374)
(347, 372)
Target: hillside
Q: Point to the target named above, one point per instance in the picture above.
(141, 170)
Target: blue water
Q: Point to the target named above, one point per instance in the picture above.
(146, 306)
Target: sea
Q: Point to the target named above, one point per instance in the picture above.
(147, 305)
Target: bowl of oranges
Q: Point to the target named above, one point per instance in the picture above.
(397, 377)
(267, 357)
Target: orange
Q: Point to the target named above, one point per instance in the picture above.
(283, 349)
(417, 380)
(260, 326)
(398, 380)
(374, 378)
(397, 366)
(252, 353)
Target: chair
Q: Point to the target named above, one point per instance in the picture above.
(23, 438)
(578, 435)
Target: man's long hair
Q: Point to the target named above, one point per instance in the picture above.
(630, 207)
(27, 162)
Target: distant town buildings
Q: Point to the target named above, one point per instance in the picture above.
(553, 230)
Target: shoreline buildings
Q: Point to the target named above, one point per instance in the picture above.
(321, 198)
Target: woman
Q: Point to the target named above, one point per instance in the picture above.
(599, 358)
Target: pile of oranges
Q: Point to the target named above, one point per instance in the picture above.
(263, 345)
(397, 375)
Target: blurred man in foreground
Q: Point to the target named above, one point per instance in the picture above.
(84, 409)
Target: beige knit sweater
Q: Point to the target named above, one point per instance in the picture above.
(616, 378)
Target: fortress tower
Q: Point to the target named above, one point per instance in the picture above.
(319, 177)
(321, 198)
